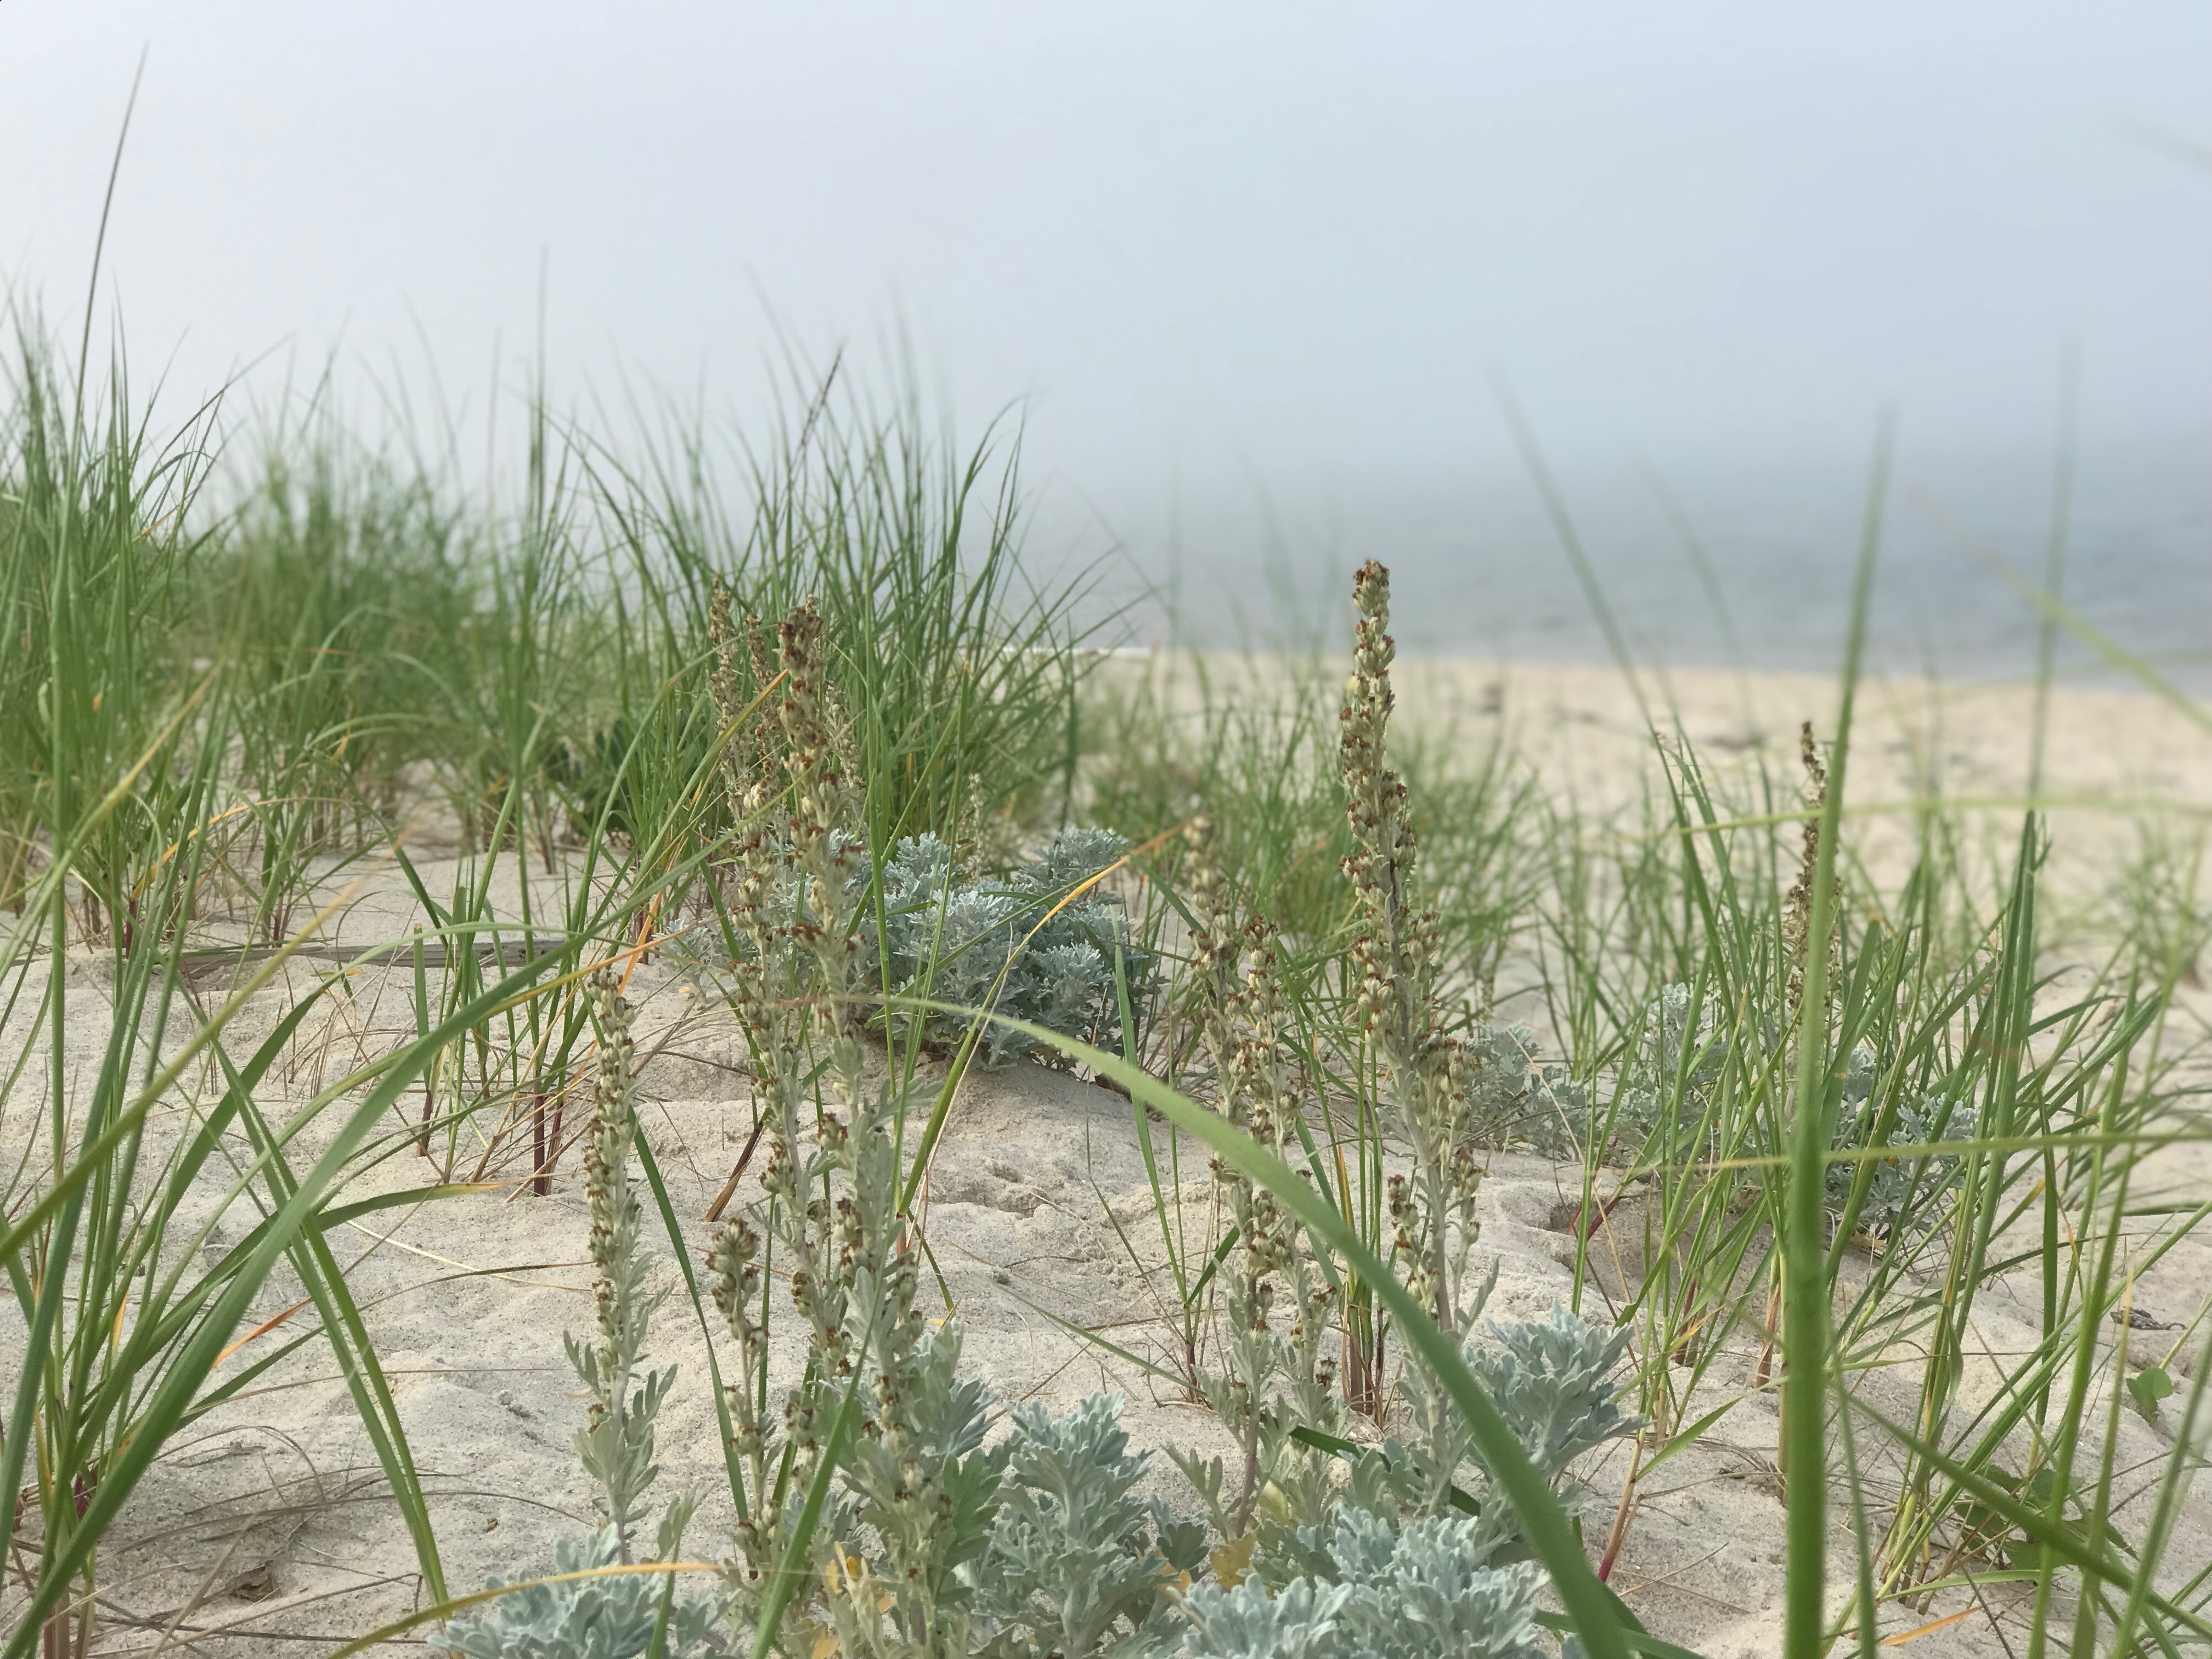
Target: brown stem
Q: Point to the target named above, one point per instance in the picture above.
(730, 1187)
(1621, 1517)
(1767, 1344)
(1591, 1223)
(1362, 1370)
(541, 1182)
(553, 1141)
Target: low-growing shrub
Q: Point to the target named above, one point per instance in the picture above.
(1046, 943)
(610, 1617)
(1426, 1591)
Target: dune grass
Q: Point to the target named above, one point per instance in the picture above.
(224, 711)
(1822, 1121)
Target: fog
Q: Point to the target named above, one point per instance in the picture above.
(1215, 255)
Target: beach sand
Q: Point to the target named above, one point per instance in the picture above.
(265, 1528)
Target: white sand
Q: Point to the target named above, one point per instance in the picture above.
(268, 1518)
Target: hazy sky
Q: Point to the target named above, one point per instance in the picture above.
(1289, 242)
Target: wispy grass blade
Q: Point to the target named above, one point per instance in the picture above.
(1806, 1309)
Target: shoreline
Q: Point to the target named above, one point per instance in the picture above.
(2116, 762)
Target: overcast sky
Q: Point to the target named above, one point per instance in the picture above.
(1282, 242)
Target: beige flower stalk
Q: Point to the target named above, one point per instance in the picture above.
(1240, 1021)
(616, 1443)
(609, 1197)
(1394, 969)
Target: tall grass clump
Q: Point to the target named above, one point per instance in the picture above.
(95, 552)
(145, 1136)
(334, 595)
(962, 671)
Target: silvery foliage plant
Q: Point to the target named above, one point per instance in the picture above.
(1514, 1095)
(1394, 1569)
(1898, 1186)
(606, 1618)
(1006, 943)
(1000, 942)
(1664, 1086)
(1423, 1591)
(1551, 1379)
(1076, 1563)
(1048, 1553)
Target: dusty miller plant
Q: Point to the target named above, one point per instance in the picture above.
(1515, 1095)
(1552, 1382)
(1044, 943)
(1662, 1110)
(608, 1618)
(1906, 1188)
(1659, 1106)
(1076, 1564)
(1395, 1569)
(1424, 1591)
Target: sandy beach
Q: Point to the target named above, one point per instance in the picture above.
(264, 1527)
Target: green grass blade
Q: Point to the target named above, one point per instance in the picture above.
(1805, 1299)
(196, 1358)
(355, 1354)
(651, 1168)
(2027, 1518)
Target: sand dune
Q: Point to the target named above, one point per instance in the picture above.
(264, 1529)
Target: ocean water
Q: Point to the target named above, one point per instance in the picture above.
(1480, 569)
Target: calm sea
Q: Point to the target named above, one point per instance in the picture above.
(1481, 571)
